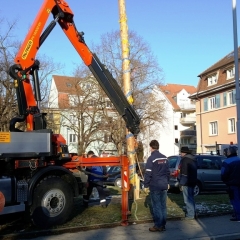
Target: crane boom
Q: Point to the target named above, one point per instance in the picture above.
(26, 66)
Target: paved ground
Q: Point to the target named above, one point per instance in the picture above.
(203, 228)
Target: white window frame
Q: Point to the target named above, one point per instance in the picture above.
(212, 80)
(212, 102)
(230, 97)
(72, 138)
(230, 73)
(231, 125)
(213, 128)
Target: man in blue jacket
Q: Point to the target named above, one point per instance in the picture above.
(156, 178)
(230, 174)
(95, 179)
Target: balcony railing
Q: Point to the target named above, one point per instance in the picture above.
(188, 133)
(187, 106)
(187, 120)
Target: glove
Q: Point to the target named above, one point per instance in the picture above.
(146, 190)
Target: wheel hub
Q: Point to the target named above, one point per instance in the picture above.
(53, 202)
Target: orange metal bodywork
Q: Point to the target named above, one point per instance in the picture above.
(25, 59)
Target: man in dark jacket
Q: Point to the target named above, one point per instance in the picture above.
(188, 180)
(230, 173)
(156, 178)
(95, 179)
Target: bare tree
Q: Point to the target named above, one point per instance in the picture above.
(145, 75)
(9, 47)
(82, 105)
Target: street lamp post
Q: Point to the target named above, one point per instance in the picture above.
(236, 71)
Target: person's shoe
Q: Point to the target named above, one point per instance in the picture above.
(163, 228)
(156, 229)
(103, 205)
(234, 220)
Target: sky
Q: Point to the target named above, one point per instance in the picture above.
(186, 36)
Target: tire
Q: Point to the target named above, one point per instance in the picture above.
(118, 182)
(197, 189)
(52, 202)
(95, 193)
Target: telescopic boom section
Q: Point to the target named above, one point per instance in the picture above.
(26, 66)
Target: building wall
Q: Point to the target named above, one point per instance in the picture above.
(203, 120)
(165, 132)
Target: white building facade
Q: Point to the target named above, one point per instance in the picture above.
(178, 127)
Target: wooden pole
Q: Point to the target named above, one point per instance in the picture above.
(127, 90)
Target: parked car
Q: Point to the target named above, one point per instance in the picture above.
(208, 173)
(115, 175)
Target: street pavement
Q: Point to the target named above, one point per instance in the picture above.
(203, 228)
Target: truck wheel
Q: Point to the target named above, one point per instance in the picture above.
(52, 202)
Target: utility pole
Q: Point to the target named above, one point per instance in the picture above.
(234, 9)
(127, 90)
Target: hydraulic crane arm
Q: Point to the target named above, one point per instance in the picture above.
(26, 65)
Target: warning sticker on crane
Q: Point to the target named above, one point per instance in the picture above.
(4, 137)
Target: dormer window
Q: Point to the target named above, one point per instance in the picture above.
(86, 86)
(230, 73)
(212, 80)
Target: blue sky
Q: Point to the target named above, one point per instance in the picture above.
(186, 36)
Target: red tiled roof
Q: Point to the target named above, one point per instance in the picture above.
(171, 90)
(67, 84)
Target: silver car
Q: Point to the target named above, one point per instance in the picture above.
(208, 173)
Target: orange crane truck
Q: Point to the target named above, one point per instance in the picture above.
(36, 168)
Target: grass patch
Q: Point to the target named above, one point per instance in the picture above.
(206, 204)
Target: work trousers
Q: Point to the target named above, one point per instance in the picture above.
(99, 186)
(188, 197)
(234, 195)
(159, 207)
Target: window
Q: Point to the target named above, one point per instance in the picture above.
(212, 102)
(172, 161)
(224, 99)
(211, 163)
(176, 140)
(231, 125)
(86, 86)
(232, 97)
(69, 84)
(212, 80)
(108, 104)
(231, 73)
(72, 138)
(213, 128)
(176, 127)
(185, 141)
(107, 138)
